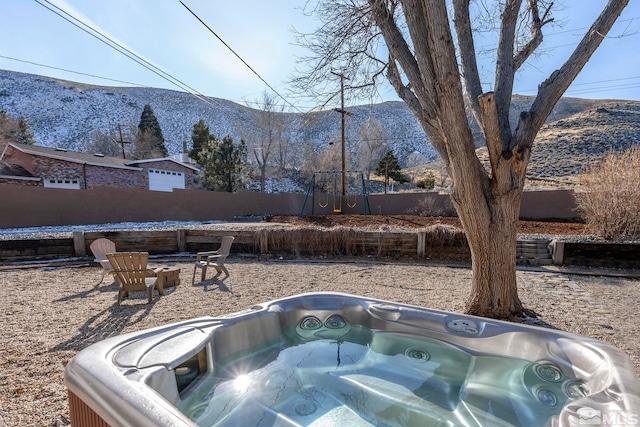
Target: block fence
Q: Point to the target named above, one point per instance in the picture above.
(37, 206)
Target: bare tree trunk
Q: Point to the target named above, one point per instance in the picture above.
(489, 208)
(423, 67)
(492, 241)
(263, 176)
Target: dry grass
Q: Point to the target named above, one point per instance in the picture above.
(610, 200)
(317, 241)
(343, 240)
(442, 235)
(431, 207)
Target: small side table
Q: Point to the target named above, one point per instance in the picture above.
(167, 277)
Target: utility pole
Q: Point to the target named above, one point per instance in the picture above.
(121, 142)
(343, 113)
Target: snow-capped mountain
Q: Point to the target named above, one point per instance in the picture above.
(64, 114)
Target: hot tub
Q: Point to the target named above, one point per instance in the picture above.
(327, 359)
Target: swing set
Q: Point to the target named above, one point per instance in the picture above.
(325, 188)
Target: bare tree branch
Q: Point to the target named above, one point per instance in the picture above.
(536, 33)
(466, 45)
(346, 40)
(505, 70)
(550, 91)
(426, 120)
(399, 51)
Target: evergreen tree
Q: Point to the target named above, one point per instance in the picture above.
(24, 134)
(8, 129)
(223, 163)
(200, 137)
(389, 167)
(149, 140)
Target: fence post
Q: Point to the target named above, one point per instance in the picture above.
(182, 240)
(422, 242)
(264, 241)
(79, 246)
(557, 252)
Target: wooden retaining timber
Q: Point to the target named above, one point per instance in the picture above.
(36, 249)
(289, 241)
(299, 241)
(610, 255)
(303, 241)
(306, 241)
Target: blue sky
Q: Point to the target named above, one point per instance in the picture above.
(166, 34)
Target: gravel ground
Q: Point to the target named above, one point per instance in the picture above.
(49, 314)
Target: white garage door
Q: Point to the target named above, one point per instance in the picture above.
(69, 184)
(161, 180)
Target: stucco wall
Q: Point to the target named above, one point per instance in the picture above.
(35, 206)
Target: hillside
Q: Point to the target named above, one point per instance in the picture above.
(578, 133)
(64, 114)
(564, 146)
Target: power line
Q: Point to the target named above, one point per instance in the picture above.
(603, 88)
(305, 124)
(618, 21)
(491, 47)
(71, 71)
(123, 50)
(141, 61)
(595, 89)
(240, 58)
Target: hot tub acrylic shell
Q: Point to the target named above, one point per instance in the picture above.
(396, 365)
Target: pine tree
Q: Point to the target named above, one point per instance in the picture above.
(389, 167)
(200, 137)
(223, 163)
(24, 134)
(149, 140)
(8, 129)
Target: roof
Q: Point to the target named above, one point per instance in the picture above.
(74, 156)
(92, 159)
(169, 159)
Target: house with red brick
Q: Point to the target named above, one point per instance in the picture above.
(16, 174)
(59, 168)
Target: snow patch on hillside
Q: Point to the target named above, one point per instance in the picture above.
(64, 114)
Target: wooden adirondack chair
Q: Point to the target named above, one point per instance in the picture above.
(100, 248)
(133, 274)
(214, 259)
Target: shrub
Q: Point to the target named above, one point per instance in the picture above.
(609, 197)
(428, 183)
(429, 206)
